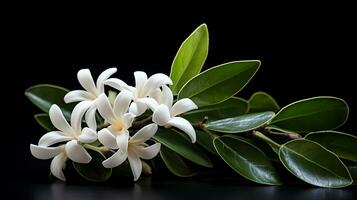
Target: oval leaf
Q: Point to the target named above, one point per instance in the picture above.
(313, 114)
(342, 144)
(219, 83)
(44, 120)
(190, 58)
(44, 95)
(232, 107)
(314, 164)
(241, 123)
(175, 163)
(247, 160)
(261, 101)
(183, 146)
(206, 141)
(94, 170)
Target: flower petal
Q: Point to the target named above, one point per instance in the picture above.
(147, 152)
(53, 137)
(104, 108)
(122, 142)
(43, 153)
(138, 108)
(149, 102)
(90, 117)
(140, 80)
(78, 95)
(185, 126)
(115, 160)
(76, 152)
(156, 94)
(86, 80)
(122, 102)
(117, 84)
(182, 106)
(156, 81)
(77, 115)
(135, 165)
(144, 134)
(166, 96)
(107, 138)
(161, 115)
(103, 77)
(58, 120)
(88, 135)
(128, 119)
(57, 165)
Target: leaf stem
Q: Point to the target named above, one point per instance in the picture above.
(102, 149)
(289, 135)
(209, 132)
(263, 137)
(142, 123)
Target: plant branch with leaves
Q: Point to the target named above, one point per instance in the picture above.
(191, 116)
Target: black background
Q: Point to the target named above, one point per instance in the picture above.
(306, 50)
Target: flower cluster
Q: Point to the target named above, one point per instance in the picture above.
(117, 134)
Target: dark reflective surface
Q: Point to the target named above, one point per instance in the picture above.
(172, 188)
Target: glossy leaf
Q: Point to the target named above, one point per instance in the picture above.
(206, 141)
(219, 83)
(44, 95)
(190, 58)
(342, 144)
(313, 114)
(242, 123)
(44, 120)
(353, 172)
(94, 170)
(175, 163)
(314, 164)
(247, 160)
(183, 146)
(230, 108)
(261, 101)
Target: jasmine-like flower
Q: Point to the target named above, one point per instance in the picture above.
(134, 148)
(144, 87)
(165, 114)
(72, 135)
(118, 118)
(91, 92)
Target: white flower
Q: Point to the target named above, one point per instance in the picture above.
(91, 92)
(116, 116)
(165, 113)
(134, 149)
(144, 87)
(73, 134)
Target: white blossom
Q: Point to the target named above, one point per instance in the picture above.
(71, 134)
(144, 87)
(133, 148)
(91, 93)
(165, 114)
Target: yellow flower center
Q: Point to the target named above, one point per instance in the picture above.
(117, 126)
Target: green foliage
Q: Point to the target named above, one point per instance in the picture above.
(219, 83)
(175, 163)
(190, 58)
(261, 101)
(44, 120)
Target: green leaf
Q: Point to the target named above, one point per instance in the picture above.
(232, 107)
(175, 163)
(261, 101)
(353, 172)
(314, 164)
(123, 170)
(190, 58)
(44, 120)
(44, 95)
(183, 146)
(247, 160)
(342, 144)
(94, 170)
(219, 83)
(241, 123)
(313, 114)
(206, 141)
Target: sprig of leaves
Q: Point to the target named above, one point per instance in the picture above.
(251, 136)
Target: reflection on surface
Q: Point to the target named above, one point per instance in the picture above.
(149, 188)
